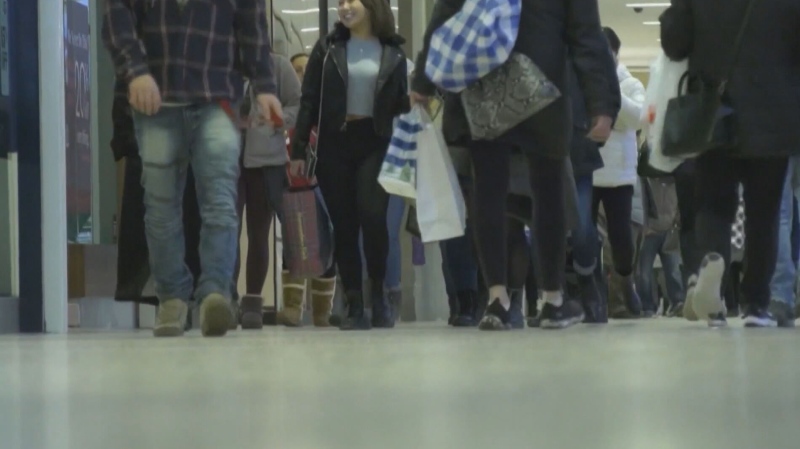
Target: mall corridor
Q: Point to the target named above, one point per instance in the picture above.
(653, 384)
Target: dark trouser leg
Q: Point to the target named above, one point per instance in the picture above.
(617, 202)
(687, 206)
(763, 181)
(550, 221)
(259, 222)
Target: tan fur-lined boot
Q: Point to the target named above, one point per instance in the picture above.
(294, 294)
(322, 293)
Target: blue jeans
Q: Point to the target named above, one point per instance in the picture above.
(394, 221)
(205, 136)
(584, 238)
(782, 287)
(652, 246)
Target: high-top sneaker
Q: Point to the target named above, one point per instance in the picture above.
(382, 310)
(322, 293)
(357, 318)
(294, 295)
(465, 316)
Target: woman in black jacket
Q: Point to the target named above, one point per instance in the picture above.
(356, 83)
(548, 30)
(763, 92)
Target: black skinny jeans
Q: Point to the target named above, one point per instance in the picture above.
(490, 161)
(347, 171)
(687, 208)
(716, 182)
(617, 204)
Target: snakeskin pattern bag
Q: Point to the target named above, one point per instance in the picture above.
(506, 97)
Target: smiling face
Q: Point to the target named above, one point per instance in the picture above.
(352, 13)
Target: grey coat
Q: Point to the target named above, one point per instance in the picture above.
(265, 146)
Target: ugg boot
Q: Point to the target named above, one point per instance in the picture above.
(357, 318)
(322, 292)
(382, 310)
(294, 294)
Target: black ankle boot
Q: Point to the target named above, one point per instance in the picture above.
(466, 309)
(357, 318)
(382, 309)
(516, 317)
(591, 300)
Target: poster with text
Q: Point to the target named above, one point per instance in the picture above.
(78, 121)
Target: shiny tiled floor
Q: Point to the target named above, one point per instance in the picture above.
(645, 385)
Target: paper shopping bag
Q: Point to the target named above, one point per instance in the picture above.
(307, 233)
(441, 212)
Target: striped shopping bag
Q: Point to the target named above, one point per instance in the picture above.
(398, 174)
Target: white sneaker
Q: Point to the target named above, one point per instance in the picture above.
(171, 318)
(707, 302)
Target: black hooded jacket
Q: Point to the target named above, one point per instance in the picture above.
(325, 86)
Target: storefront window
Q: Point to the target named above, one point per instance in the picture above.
(295, 25)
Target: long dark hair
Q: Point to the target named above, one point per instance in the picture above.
(381, 18)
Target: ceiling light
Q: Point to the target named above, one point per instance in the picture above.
(647, 5)
(652, 23)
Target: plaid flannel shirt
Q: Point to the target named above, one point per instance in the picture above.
(196, 54)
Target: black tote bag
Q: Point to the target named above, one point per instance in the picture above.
(698, 121)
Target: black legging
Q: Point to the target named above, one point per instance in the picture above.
(687, 208)
(717, 194)
(347, 171)
(491, 175)
(617, 204)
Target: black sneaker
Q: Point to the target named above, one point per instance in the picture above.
(591, 300)
(534, 321)
(759, 317)
(783, 313)
(465, 309)
(496, 318)
(568, 314)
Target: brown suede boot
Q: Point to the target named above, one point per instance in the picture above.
(322, 293)
(294, 294)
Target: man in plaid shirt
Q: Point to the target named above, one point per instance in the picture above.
(183, 65)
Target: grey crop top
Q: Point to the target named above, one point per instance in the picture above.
(363, 65)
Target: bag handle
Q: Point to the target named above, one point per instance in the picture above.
(737, 46)
(311, 163)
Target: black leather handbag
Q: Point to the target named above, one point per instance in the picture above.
(643, 167)
(698, 121)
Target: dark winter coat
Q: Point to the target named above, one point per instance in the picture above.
(550, 31)
(765, 87)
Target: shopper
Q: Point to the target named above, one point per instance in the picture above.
(299, 62)
(766, 135)
(183, 114)
(660, 239)
(356, 84)
(586, 159)
(784, 281)
(547, 30)
(614, 183)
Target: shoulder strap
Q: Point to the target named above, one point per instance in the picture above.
(737, 43)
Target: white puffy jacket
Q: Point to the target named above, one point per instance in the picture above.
(620, 152)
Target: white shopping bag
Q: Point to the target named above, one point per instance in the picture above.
(665, 76)
(398, 174)
(441, 212)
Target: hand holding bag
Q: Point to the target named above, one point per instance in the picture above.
(472, 43)
(698, 121)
